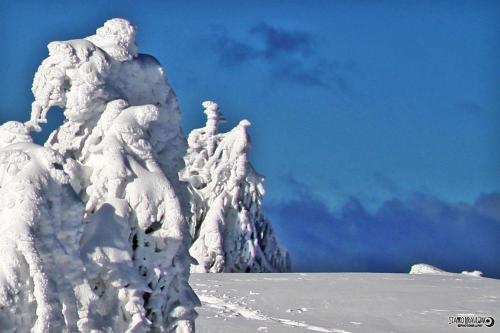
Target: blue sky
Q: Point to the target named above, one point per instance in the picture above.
(366, 102)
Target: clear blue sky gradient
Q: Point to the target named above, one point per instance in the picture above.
(370, 101)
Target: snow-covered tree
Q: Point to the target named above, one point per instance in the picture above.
(121, 149)
(229, 229)
(96, 227)
(43, 286)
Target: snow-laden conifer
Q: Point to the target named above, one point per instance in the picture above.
(120, 147)
(231, 234)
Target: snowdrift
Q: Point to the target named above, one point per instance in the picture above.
(432, 270)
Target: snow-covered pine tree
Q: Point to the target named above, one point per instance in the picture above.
(230, 232)
(96, 226)
(43, 286)
(120, 148)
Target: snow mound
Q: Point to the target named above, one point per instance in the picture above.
(428, 269)
(229, 229)
(473, 273)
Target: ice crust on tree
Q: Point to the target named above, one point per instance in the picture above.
(229, 229)
(109, 252)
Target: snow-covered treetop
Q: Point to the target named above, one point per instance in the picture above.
(117, 39)
(82, 75)
(214, 117)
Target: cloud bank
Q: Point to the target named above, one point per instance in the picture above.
(289, 55)
(401, 232)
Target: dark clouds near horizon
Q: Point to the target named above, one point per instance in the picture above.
(400, 233)
(289, 55)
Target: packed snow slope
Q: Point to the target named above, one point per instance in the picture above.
(342, 302)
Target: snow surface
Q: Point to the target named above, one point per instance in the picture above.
(341, 302)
